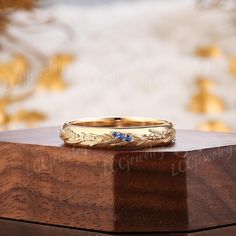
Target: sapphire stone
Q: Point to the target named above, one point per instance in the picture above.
(121, 136)
(128, 138)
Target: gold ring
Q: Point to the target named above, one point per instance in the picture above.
(118, 132)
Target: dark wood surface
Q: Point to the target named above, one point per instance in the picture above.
(17, 228)
(190, 185)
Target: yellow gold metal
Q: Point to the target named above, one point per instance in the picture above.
(118, 132)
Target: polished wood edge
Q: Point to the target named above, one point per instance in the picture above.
(11, 227)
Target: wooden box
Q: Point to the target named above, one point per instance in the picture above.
(188, 188)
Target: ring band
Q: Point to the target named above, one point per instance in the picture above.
(118, 132)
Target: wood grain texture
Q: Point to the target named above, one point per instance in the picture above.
(190, 185)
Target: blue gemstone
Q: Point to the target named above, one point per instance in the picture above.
(115, 134)
(121, 136)
(128, 138)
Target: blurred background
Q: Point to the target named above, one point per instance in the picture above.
(64, 59)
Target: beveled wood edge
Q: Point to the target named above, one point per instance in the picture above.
(14, 226)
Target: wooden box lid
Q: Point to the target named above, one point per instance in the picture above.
(188, 186)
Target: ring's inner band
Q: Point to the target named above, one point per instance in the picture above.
(119, 122)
